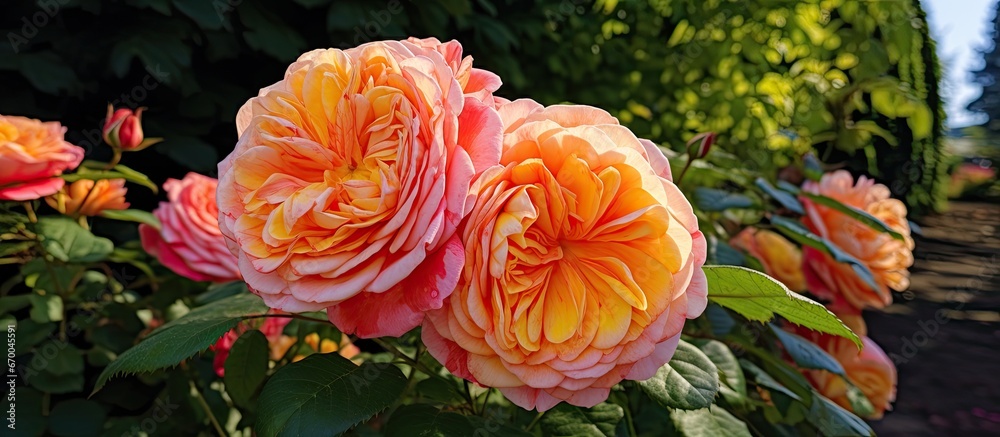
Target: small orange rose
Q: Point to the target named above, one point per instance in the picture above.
(870, 370)
(782, 260)
(89, 198)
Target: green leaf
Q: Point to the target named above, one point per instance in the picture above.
(8, 248)
(221, 291)
(246, 367)
(309, 4)
(721, 322)
(921, 122)
(786, 199)
(710, 199)
(67, 241)
(708, 422)
(133, 215)
(180, 339)
(30, 333)
(437, 389)
(161, 6)
(65, 359)
(268, 33)
(764, 379)
(30, 421)
(496, 423)
(77, 417)
(725, 361)
(94, 171)
(51, 278)
(9, 304)
(343, 16)
(570, 421)
(423, 420)
(689, 381)
(49, 382)
(855, 213)
(759, 297)
(48, 72)
(807, 354)
(325, 394)
(47, 308)
(202, 12)
(191, 152)
(834, 420)
(796, 231)
(860, 404)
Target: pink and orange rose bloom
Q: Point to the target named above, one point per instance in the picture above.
(32, 156)
(189, 241)
(781, 259)
(350, 178)
(582, 262)
(887, 258)
(870, 370)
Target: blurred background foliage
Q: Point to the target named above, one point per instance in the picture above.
(855, 81)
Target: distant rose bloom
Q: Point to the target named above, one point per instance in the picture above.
(271, 327)
(89, 198)
(32, 156)
(350, 177)
(781, 259)
(190, 242)
(870, 370)
(315, 344)
(887, 258)
(582, 262)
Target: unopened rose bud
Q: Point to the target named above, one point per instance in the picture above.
(123, 130)
(700, 144)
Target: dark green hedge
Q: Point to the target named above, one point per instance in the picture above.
(775, 78)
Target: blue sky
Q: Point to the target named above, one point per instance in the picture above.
(961, 28)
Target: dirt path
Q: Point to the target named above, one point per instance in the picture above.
(944, 333)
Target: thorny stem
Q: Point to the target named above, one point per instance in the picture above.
(486, 399)
(687, 165)
(535, 421)
(468, 396)
(115, 158)
(208, 410)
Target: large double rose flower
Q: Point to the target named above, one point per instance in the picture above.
(351, 176)
(32, 156)
(582, 262)
(887, 258)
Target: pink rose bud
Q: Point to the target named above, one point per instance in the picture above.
(699, 145)
(123, 130)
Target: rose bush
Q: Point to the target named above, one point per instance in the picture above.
(477, 245)
(350, 177)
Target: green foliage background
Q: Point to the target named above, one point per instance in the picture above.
(857, 80)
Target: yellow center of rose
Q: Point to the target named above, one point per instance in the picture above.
(576, 256)
(8, 132)
(351, 139)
